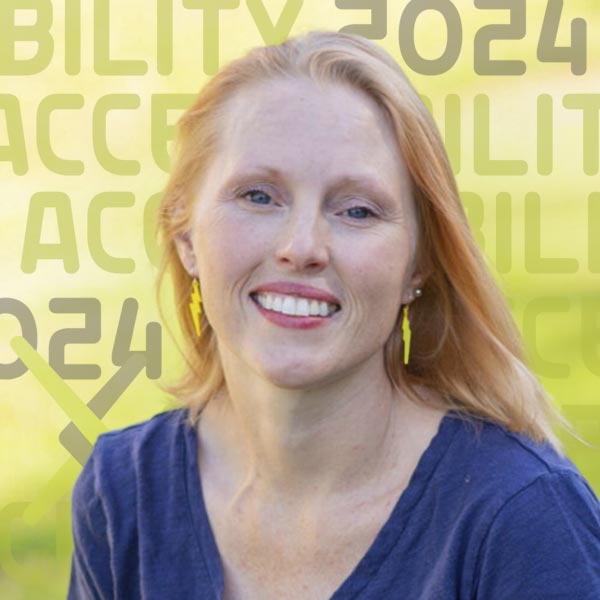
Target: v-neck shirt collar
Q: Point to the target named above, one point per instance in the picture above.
(388, 536)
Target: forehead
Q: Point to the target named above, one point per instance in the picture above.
(316, 128)
(335, 108)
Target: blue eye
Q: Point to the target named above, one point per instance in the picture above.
(263, 197)
(360, 212)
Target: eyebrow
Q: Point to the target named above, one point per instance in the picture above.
(363, 182)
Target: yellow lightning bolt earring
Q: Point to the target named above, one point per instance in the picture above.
(196, 306)
(406, 332)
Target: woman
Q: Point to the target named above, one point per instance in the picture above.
(356, 420)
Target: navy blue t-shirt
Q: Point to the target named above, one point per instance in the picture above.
(487, 516)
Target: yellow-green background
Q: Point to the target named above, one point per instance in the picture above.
(30, 420)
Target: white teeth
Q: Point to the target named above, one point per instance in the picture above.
(289, 306)
(314, 307)
(292, 305)
(302, 307)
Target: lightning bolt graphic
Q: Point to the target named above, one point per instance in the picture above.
(195, 307)
(406, 334)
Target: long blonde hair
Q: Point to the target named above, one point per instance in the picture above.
(465, 344)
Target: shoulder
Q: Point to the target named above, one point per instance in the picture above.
(499, 463)
(533, 518)
(160, 429)
(488, 474)
(130, 514)
(518, 473)
(125, 459)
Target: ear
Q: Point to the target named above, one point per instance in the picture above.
(415, 283)
(185, 249)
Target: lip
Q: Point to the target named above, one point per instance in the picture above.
(291, 321)
(296, 289)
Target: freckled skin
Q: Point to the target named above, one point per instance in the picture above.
(312, 135)
(309, 447)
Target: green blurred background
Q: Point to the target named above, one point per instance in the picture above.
(555, 303)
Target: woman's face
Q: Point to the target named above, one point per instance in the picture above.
(308, 189)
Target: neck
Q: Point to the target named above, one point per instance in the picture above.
(328, 439)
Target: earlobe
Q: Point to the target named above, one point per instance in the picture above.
(185, 249)
(414, 289)
(412, 294)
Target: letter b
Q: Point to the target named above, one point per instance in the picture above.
(38, 33)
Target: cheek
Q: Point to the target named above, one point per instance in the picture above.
(380, 271)
(227, 247)
(383, 263)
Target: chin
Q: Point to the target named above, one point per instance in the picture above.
(295, 376)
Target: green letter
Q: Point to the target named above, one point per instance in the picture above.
(104, 260)
(210, 32)
(593, 230)
(534, 261)
(72, 37)
(164, 36)
(105, 158)
(103, 64)
(590, 310)
(590, 105)
(10, 34)
(452, 130)
(484, 165)
(503, 232)
(473, 205)
(49, 104)
(15, 151)
(533, 310)
(65, 249)
(161, 131)
(274, 34)
(545, 135)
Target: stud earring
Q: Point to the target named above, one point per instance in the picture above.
(196, 306)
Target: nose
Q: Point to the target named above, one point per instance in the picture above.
(303, 243)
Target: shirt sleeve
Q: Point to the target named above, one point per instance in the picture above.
(90, 562)
(544, 543)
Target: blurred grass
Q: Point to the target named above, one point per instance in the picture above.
(29, 419)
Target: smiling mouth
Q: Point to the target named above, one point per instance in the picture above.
(294, 306)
